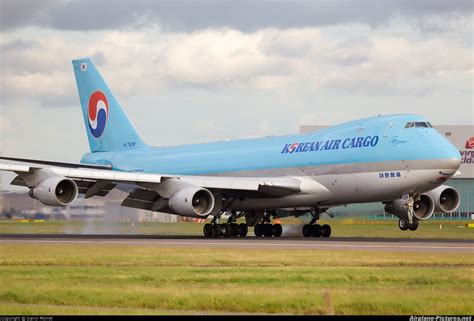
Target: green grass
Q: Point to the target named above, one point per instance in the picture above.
(144, 279)
(340, 228)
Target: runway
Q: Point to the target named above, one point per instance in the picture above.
(336, 243)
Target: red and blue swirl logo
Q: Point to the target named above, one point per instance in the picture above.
(98, 112)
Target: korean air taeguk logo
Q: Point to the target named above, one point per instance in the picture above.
(98, 112)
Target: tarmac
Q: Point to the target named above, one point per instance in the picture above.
(250, 242)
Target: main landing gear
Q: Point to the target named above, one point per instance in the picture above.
(265, 228)
(315, 230)
(229, 229)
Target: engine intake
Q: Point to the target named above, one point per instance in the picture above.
(55, 191)
(446, 198)
(424, 207)
(192, 201)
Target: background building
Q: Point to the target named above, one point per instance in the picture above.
(462, 136)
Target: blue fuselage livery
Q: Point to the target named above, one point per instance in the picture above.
(398, 160)
(371, 140)
(354, 142)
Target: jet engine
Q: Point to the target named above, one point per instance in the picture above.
(192, 201)
(55, 191)
(446, 198)
(424, 207)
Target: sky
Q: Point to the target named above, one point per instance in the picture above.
(198, 71)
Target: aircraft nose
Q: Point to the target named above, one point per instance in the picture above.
(453, 163)
(451, 155)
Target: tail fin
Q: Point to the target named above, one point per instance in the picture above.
(108, 127)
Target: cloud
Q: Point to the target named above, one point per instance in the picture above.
(394, 65)
(15, 14)
(183, 85)
(247, 16)
(350, 58)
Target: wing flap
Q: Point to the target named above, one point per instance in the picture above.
(85, 186)
(141, 198)
(18, 181)
(144, 194)
(142, 205)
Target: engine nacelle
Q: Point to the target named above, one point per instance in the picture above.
(446, 198)
(192, 201)
(424, 208)
(55, 191)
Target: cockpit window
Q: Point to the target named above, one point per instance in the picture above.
(421, 124)
(418, 124)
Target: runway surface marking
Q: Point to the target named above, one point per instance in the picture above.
(394, 246)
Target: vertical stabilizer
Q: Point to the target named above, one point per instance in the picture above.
(108, 127)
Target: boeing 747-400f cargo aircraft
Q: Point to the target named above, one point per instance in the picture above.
(399, 160)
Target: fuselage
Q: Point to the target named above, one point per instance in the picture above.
(373, 159)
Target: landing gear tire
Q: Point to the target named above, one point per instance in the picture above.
(226, 230)
(267, 230)
(403, 224)
(413, 226)
(258, 230)
(216, 230)
(317, 230)
(277, 230)
(242, 229)
(326, 230)
(234, 229)
(207, 230)
(307, 230)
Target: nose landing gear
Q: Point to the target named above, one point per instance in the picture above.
(411, 222)
(404, 225)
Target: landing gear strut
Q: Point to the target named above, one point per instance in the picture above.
(265, 228)
(411, 222)
(410, 208)
(314, 229)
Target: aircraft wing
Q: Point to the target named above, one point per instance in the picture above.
(93, 181)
